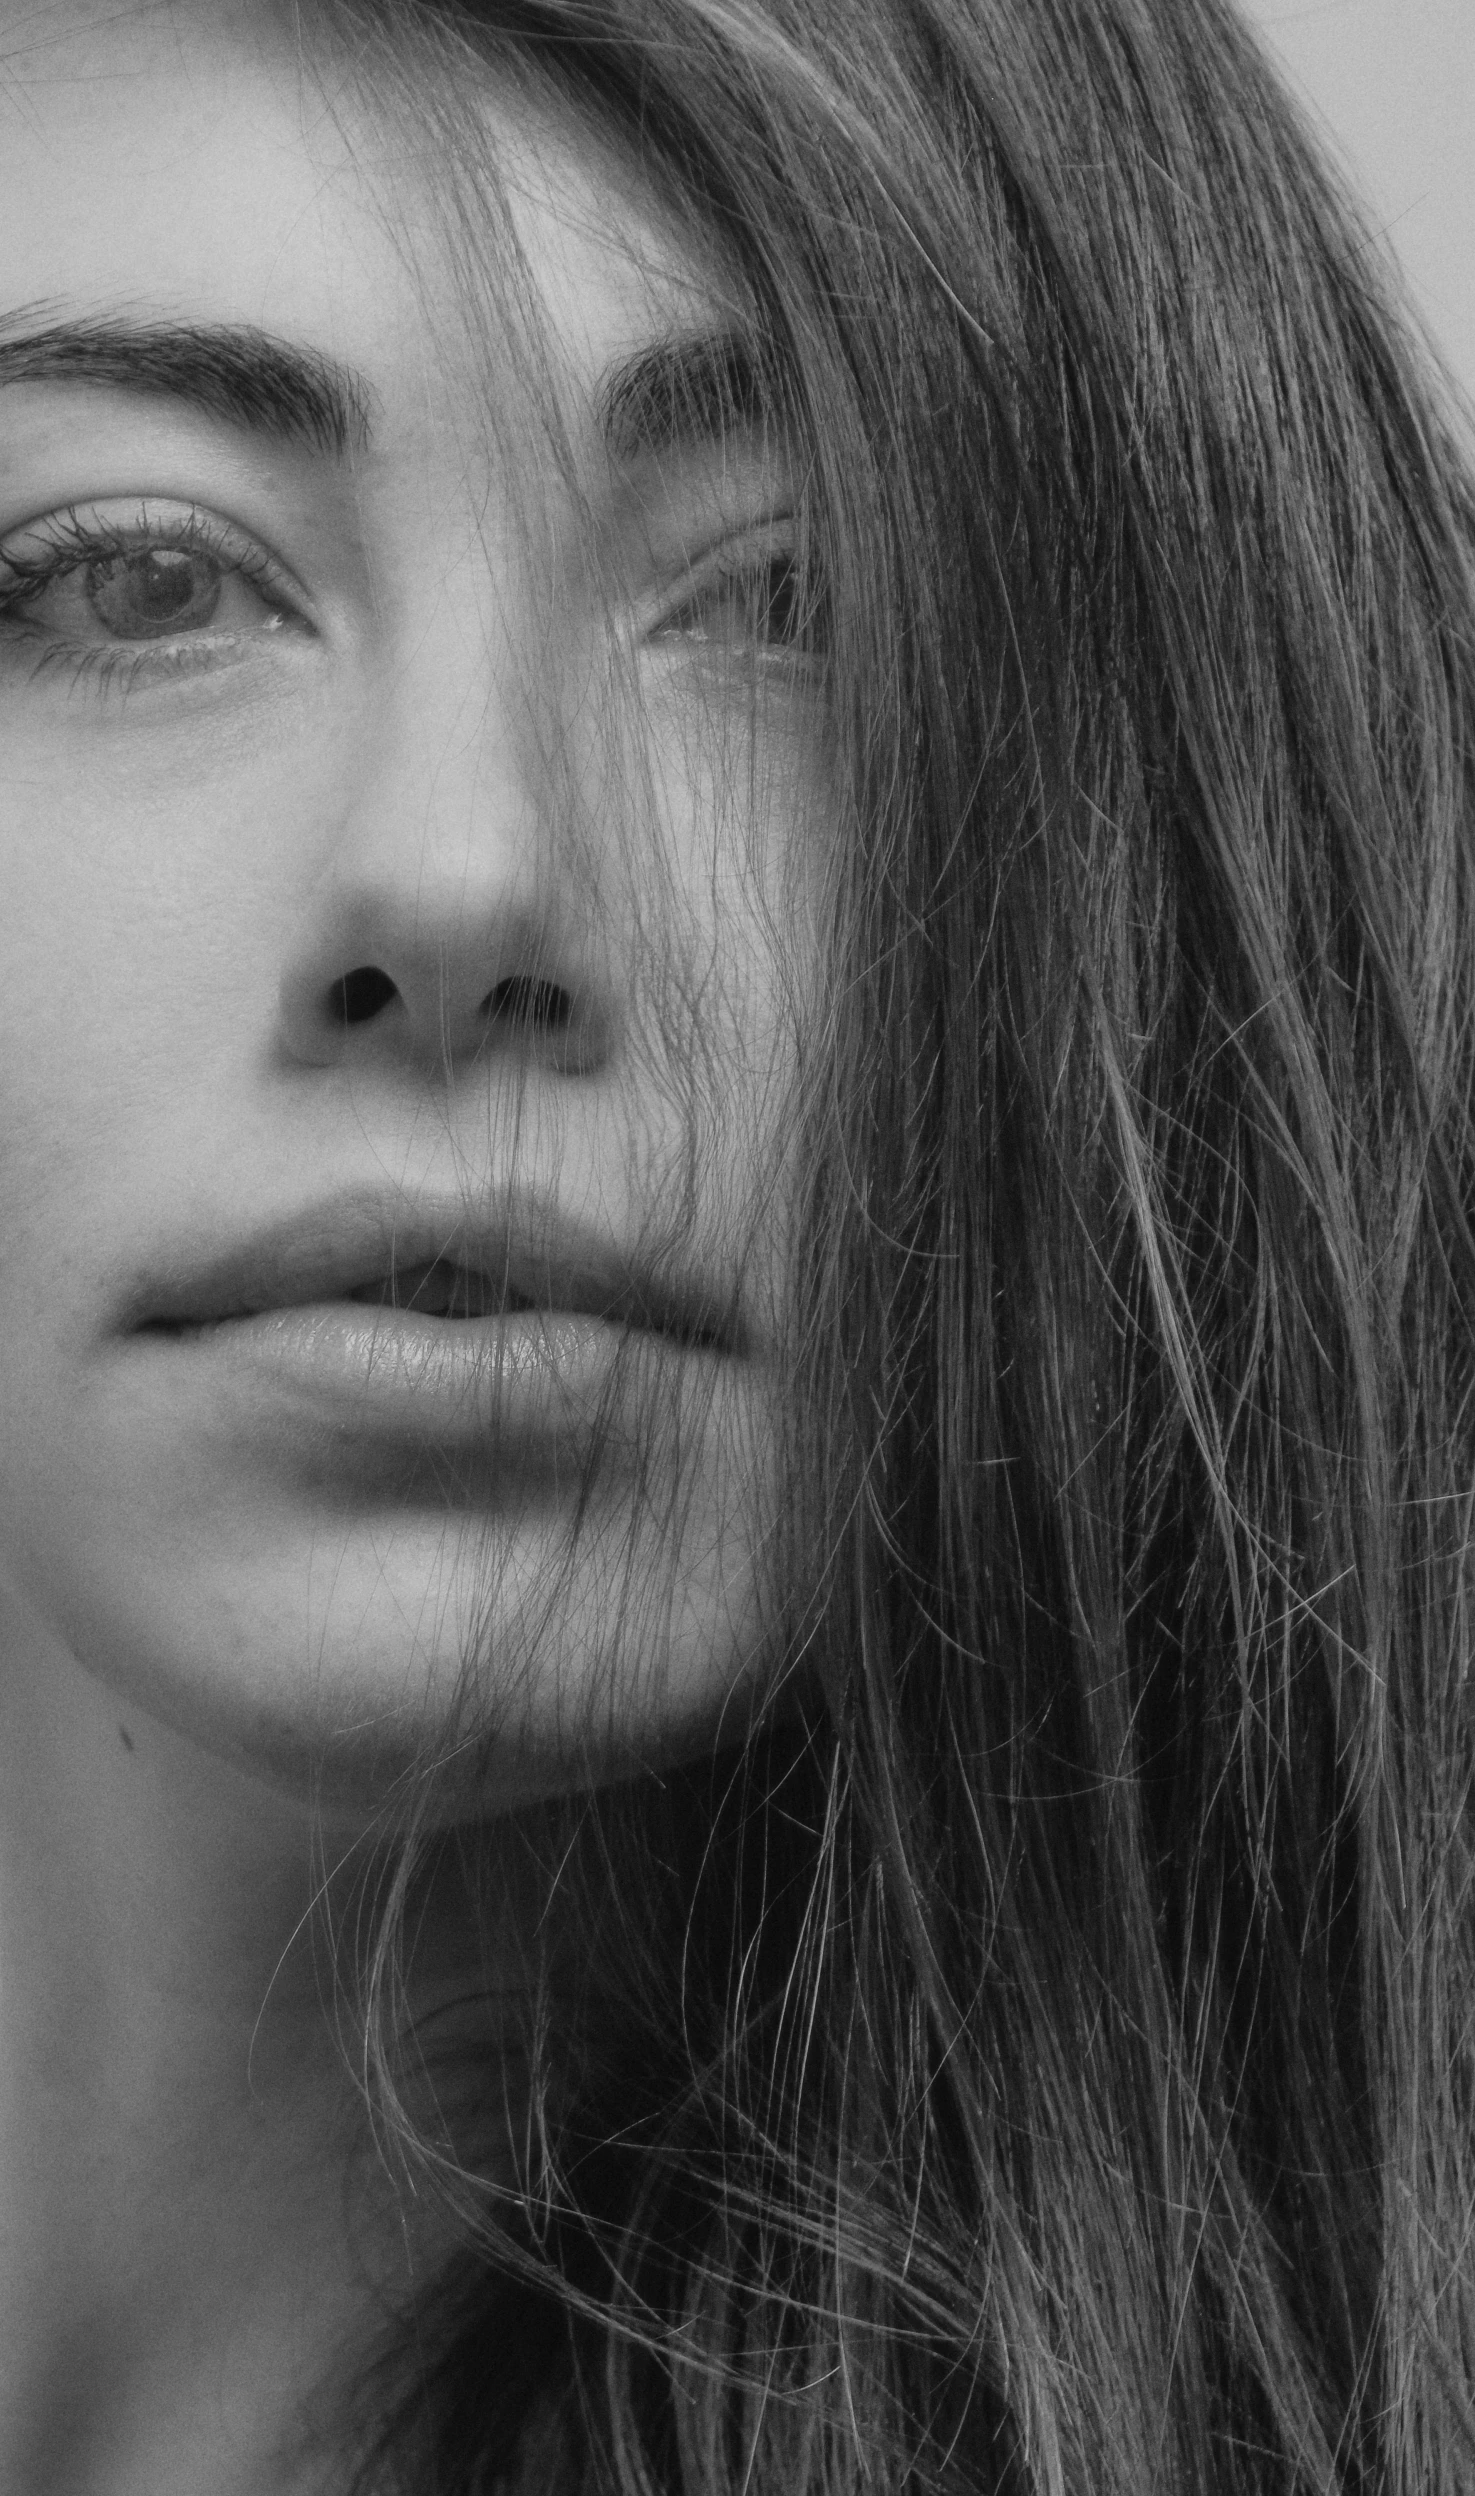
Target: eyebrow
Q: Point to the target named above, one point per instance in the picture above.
(679, 393)
(684, 392)
(260, 383)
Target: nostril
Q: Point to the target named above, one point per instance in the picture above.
(361, 994)
(537, 1002)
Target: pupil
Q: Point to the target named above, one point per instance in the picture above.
(159, 590)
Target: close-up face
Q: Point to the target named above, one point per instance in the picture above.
(403, 772)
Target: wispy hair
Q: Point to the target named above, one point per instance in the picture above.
(1038, 2058)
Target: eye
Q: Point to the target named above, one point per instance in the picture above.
(144, 596)
(157, 582)
(752, 595)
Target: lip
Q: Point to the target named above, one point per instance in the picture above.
(315, 1310)
(530, 1257)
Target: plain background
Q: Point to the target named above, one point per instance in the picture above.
(1394, 80)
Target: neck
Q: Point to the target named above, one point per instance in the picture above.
(198, 2240)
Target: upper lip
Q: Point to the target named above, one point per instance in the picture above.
(522, 1254)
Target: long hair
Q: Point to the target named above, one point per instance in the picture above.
(1038, 2059)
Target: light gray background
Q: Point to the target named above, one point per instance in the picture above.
(1395, 80)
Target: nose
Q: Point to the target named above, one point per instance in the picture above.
(455, 972)
(448, 922)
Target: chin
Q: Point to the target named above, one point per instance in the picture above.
(382, 1671)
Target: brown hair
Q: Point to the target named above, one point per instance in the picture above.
(1047, 2066)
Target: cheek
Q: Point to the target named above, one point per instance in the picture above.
(137, 982)
(152, 874)
(99, 958)
(111, 918)
(740, 795)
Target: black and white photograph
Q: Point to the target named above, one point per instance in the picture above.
(737, 1247)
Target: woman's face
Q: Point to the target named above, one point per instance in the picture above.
(361, 942)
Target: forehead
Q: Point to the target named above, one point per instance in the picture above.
(185, 162)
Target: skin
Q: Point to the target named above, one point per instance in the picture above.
(228, 1629)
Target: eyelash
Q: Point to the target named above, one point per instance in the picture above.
(731, 570)
(69, 540)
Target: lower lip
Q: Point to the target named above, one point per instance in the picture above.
(524, 1376)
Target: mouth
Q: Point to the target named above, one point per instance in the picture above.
(443, 1288)
(433, 1274)
(525, 1346)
